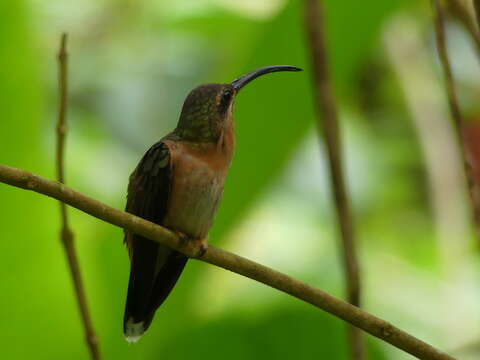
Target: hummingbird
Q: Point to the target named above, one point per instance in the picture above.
(178, 184)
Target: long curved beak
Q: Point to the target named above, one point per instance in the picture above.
(245, 79)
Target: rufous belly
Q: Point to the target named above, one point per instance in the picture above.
(194, 198)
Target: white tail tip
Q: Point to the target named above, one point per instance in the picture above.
(133, 331)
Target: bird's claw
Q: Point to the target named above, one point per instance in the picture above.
(202, 248)
(185, 241)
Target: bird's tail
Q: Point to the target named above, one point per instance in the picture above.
(133, 331)
(154, 271)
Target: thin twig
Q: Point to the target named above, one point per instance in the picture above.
(476, 6)
(467, 20)
(237, 264)
(473, 187)
(314, 23)
(66, 234)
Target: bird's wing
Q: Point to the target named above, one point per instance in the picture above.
(155, 268)
(149, 188)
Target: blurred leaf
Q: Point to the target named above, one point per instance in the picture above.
(279, 333)
(33, 276)
(274, 113)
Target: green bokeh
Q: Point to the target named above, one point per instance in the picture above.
(131, 66)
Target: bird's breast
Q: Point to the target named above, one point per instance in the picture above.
(196, 190)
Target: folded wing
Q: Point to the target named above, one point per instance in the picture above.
(155, 268)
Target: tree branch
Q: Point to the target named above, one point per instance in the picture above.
(237, 264)
(473, 187)
(66, 235)
(467, 20)
(314, 23)
(476, 6)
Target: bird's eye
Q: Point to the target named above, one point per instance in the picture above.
(226, 96)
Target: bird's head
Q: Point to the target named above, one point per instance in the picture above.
(209, 107)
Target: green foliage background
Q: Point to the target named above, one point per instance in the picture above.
(131, 65)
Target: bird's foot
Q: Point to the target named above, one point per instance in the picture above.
(203, 246)
(186, 242)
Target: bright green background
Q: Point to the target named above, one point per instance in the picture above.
(131, 66)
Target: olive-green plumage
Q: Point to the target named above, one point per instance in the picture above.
(204, 111)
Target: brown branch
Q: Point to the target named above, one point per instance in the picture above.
(237, 264)
(473, 187)
(314, 23)
(66, 235)
(476, 6)
(465, 18)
